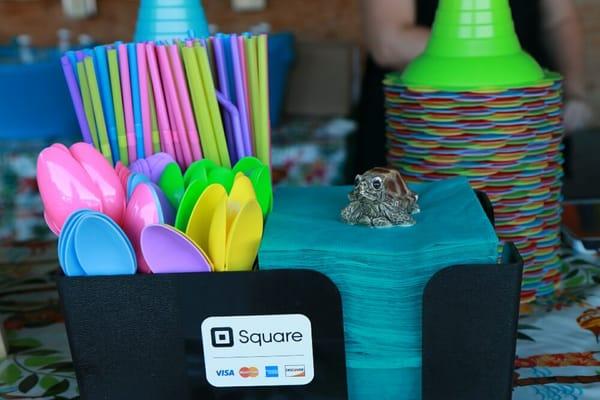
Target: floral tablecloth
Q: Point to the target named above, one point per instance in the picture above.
(558, 354)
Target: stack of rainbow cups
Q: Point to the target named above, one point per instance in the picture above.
(475, 104)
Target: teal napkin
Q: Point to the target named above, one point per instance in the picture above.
(309, 219)
(381, 273)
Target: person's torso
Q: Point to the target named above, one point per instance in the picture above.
(527, 16)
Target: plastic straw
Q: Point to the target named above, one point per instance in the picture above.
(234, 116)
(97, 104)
(127, 102)
(184, 99)
(200, 104)
(243, 64)
(73, 60)
(209, 90)
(164, 127)
(264, 135)
(155, 134)
(115, 84)
(240, 95)
(226, 44)
(220, 61)
(173, 101)
(76, 98)
(86, 97)
(144, 98)
(103, 76)
(252, 64)
(135, 94)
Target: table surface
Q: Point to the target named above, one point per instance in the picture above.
(558, 349)
(558, 352)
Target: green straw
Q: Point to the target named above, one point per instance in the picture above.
(213, 105)
(154, 121)
(97, 104)
(115, 84)
(87, 102)
(200, 105)
(263, 135)
(253, 84)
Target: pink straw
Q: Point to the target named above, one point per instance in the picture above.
(127, 102)
(184, 98)
(176, 142)
(144, 99)
(161, 109)
(173, 101)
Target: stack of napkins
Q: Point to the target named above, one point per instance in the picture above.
(381, 273)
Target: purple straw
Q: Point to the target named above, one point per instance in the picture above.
(224, 89)
(76, 98)
(237, 129)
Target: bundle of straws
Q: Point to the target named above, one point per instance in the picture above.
(193, 99)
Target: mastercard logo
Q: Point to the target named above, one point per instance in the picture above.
(249, 372)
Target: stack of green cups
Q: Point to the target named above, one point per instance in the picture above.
(473, 44)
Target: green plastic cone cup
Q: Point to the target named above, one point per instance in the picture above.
(473, 44)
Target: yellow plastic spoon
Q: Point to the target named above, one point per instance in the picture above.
(243, 238)
(242, 190)
(198, 227)
(217, 236)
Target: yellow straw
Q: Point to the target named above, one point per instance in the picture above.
(87, 102)
(200, 105)
(97, 104)
(115, 84)
(253, 83)
(155, 133)
(264, 134)
(210, 92)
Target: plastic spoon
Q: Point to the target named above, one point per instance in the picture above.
(243, 239)
(261, 180)
(198, 170)
(102, 247)
(169, 251)
(222, 176)
(104, 177)
(171, 183)
(242, 191)
(142, 210)
(64, 186)
(188, 201)
(198, 227)
(64, 244)
(133, 181)
(217, 236)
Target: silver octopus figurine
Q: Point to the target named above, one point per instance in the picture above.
(381, 199)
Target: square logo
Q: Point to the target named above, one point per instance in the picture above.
(272, 371)
(222, 337)
(295, 371)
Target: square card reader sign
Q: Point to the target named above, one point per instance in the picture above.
(258, 350)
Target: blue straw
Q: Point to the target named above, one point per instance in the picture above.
(73, 60)
(229, 67)
(135, 94)
(107, 102)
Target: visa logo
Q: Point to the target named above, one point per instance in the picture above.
(225, 372)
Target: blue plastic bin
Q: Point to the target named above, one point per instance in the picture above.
(281, 57)
(34, 99)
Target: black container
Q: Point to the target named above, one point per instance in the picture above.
(138, 337)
